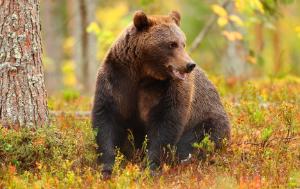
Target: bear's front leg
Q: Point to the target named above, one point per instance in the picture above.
(164, 128)
(109, 136)
(110, 132)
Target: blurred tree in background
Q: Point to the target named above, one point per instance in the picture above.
(237, 39)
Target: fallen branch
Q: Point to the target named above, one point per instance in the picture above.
(206, 29)
(80, 114)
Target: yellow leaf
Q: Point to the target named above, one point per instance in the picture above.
(237, 35)
(93, 28)
(218, 10)
(39, 165)
(232, 36)
(68, 45)
(222, 21)
(109, 17)
(70, 81)
(68, 70)
(244, 5)
(228, 35)
(297, 30)
(258, 5)
(236, 19)
(240, 5)
(251, 59)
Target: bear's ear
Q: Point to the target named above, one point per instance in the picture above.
(140, 20)
(176, 17)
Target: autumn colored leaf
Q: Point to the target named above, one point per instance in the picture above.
(297, 29)
(222, 21)
(251, 59)
(237, 20)
(12, 170)
(232, 35)
(220, 11)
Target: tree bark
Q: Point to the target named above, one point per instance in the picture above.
(23, 99)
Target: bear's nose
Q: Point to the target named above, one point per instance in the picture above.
(190, 66)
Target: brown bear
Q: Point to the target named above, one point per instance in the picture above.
(149, 85)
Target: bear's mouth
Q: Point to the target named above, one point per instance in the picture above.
(179, 75)
(176, 73)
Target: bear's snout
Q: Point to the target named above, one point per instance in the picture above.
(190, 66)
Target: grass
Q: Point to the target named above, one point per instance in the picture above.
(264, 151)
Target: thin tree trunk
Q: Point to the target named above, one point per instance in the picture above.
(84, 44)
(259, 37)
(85, 49)
(74, 29)
(234, 63)
(23, 99)
(208, 26)
(53, 41)
(93, 61)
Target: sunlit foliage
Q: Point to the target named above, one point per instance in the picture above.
(264, 151)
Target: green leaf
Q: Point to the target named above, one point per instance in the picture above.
(266, 133)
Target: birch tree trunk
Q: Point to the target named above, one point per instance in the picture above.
(23, 99)
(234, 61)
(85, 50)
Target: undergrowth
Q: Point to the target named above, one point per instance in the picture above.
(264, 151)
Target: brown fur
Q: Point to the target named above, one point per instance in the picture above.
(145, 85)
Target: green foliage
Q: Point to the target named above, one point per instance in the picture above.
(29, 149)
(266, 134)
(106, 30)
(146, 2)
(206, 144)
(294, 180)
(70, 95)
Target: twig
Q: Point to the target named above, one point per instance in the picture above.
(206, 29)
(285, 139)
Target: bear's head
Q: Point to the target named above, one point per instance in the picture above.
(162, 46)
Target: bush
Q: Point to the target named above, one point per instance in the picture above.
(49, 146)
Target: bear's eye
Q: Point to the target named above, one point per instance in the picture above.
(173, 45)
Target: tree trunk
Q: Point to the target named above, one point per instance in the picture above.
(23, 99)
(53, 41)
(85, 49)
(234, 62)
(84, 44)
(259, 38)
(93, 61)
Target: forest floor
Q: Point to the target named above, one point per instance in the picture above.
(264, 151)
